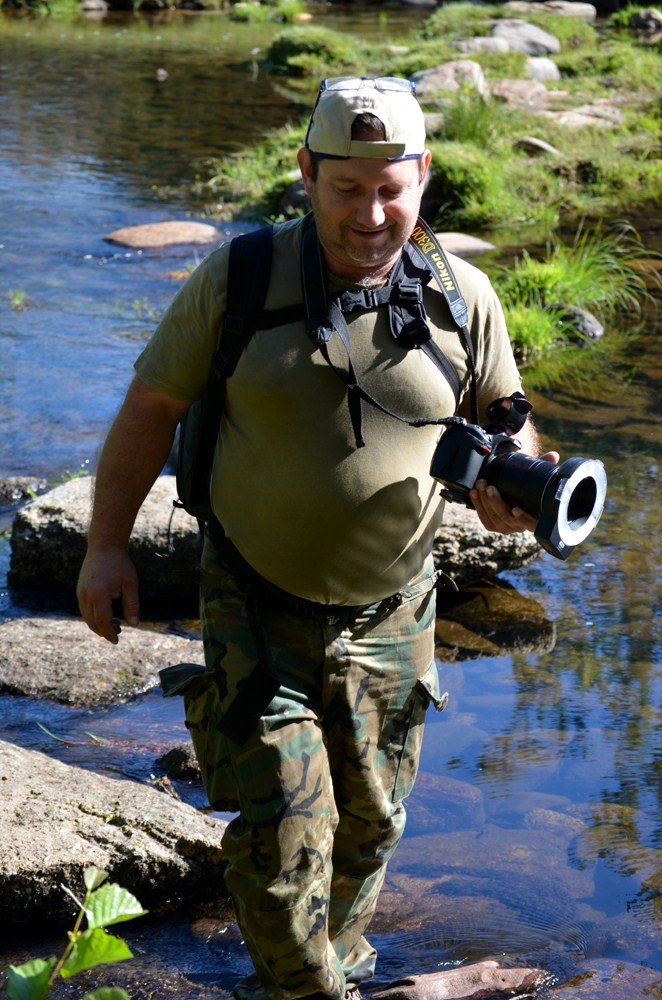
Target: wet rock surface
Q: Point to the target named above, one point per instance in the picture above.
(55, 820)
(59, 658)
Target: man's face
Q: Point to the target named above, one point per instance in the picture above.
(365, 210)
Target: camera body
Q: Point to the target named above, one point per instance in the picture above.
(567, 500)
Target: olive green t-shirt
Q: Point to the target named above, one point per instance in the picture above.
(306, 508)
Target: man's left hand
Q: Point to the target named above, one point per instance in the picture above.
(495, 514)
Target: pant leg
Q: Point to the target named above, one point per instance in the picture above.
(376, 697)
(278, 850)
(302, 890)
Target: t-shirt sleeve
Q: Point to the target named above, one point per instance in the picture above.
(178, 356)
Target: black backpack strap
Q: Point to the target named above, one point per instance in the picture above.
(408, 319)
(249, 269)
(248, 279)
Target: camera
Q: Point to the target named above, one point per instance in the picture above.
(567, 500)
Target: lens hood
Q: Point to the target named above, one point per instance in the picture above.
(572, 503)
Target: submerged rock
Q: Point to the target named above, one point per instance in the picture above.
(164, 234)
(469, 982)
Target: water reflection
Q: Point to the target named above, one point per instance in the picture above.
(535, 826)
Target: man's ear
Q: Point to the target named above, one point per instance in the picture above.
(305, 161)
(425, 165)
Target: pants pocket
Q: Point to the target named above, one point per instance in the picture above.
(202, 703)
(426, 692)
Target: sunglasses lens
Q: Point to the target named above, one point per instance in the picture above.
(379, 83)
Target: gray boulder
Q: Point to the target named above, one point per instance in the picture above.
(542, 68)
(56, 820)
(524, 37)
(432, 84)
(59, 658)
(570, 8)
(48, 543)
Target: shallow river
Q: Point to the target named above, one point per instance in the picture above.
(561, 746)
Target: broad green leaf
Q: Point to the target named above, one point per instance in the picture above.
(110, 905)
(94, 877)
(94, 947)
(29, 981)
(108, 993)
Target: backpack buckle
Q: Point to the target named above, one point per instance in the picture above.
(409, 294)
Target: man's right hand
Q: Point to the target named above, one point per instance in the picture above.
(108, 575)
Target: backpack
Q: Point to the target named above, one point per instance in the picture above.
(249, 271)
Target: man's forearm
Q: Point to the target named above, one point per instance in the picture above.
(528, 438)
(133, 456)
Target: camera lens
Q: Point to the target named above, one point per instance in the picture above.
(566, 499)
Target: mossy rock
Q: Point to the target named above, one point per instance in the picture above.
(307, 50)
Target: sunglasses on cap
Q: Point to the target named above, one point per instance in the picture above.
(378, 82)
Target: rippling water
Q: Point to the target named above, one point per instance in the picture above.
(534, 831)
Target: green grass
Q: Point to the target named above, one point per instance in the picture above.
(600, 272)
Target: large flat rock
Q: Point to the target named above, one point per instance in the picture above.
(56, 820)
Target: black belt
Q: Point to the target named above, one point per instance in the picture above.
(258, 690)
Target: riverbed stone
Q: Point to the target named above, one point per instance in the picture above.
(48, 546)
(601, 113)
(479, 979)
(48, 543)
(432, 84)
(570, 8)
(487, 618)
(154, 235)
(534, 146)
(528, 93)
(59, 658)
(56, 820)
(524, 37)
(542, 68)
(599, 978)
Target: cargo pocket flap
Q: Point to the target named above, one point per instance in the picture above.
(176, 678)
(430, 684)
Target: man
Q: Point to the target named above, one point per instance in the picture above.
(316, 562)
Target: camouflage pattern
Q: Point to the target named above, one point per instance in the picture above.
(320, 783)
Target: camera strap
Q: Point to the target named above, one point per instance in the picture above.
(403, 295)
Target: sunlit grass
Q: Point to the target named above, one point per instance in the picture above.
(600, 272)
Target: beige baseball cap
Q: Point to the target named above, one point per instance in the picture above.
(391, 99)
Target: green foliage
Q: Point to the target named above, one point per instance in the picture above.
(104, 904)
(250, 185)
(18, 299)
(460, 20)
(468, 118)
(310, 51)
(572, 32)
(616, 62)
(255, 12)
(533, 330)
(600, 272)
(473, 188)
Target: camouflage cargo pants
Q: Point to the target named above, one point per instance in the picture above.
(318, 786)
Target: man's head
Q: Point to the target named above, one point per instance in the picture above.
(364, 165)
